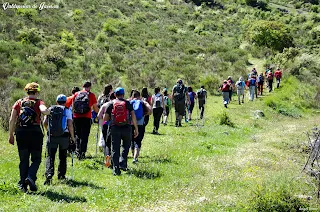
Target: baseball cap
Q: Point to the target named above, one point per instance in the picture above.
(61, 98)
(119, 91)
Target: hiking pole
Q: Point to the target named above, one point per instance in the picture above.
(197, 106)
(97, 137)
(72, 165)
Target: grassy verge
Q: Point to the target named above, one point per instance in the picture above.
(190, 168)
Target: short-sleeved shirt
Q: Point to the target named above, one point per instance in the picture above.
(17, 107)
(191, 96)
(92, 101)
(109, 107)
(204, 94)
(176, 90)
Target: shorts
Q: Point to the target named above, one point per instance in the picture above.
(180, 107)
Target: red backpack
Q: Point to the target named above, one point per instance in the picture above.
(270, 76)
(120, 113)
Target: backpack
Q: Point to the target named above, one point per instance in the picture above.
(270, 76)
(191, 96)
(57, 121)
(200, 94)
(157, 100)
(81, 103)
(261, 79)
(103, 99)
(120, 113)
(27, 115)
(252, 82)
(167, 101)
(179, 93)
(138, 108)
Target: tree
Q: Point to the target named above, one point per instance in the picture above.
(271, 34)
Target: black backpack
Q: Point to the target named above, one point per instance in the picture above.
(200, 94)
(27, 115)
(103, 99)
(179, 93)
(57, 120)
(81, 103)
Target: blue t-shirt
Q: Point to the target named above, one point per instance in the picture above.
(191, 96)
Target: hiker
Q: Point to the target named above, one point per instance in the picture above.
(260, 81)
(82, 104)
(120, 113)
(59, 126)
(202, 96)
(103, 98)
(180, 95)
(146, 97)
(270, 80)
(225, 88)
(231, 87)
(252, 87)
(192, 97)
(240, 89)
(25, 121)
(167, 106)
(157, 103)
(254, 72)
(141, 108)
(106, 136)
(278, 76)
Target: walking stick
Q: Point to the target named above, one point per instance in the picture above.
(72, 165)
(97, 138)
(197, 106)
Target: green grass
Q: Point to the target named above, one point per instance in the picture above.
(212, 167)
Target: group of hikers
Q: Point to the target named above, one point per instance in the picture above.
(255, 84)
(122, 123)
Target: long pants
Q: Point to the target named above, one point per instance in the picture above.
(230, 95)
(146, 120)
(52, 146)
(179, 108)
(201, 107)
(270, 85)
(107, 139)
(252, 89)
(240, 92)
(278, 82)
(260, 88)
(225, 96)
(29, 144)
(136, 142)
(83, 126)
(157, 112)
(117, 134)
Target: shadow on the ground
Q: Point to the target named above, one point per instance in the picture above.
(75, 183)
(61, 197)
(144, 173)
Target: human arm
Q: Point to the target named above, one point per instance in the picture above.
(163, 106)
(44, 110)
(148, 108)
(12, 125)
(95, 108)
(71, 130)
(134, 121)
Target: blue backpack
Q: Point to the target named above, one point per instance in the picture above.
(252, 82)
(138, 108)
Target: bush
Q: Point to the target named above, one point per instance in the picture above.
(225, 120)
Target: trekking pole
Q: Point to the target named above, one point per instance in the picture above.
(97, 137)
(197, 106)
(72, 165)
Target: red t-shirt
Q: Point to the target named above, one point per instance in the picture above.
(92, 101)
(278, 74)
(17, 107)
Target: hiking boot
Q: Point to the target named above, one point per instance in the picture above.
(180, 125)
(135, 160)
(32, 185)
(107, 161)
(23, 187)
(62, 177)
(225, 105)
(47, 181)
(242, 101)
(124, 168)
(116, 172)
(82, 156)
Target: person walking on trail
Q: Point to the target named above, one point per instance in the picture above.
(278, 76)
(69, 98)
(260, 81)
(60, 131)
(106, 135)
(240, 89)
(225, 88)
(121, 114)
(167, 106)
(254, 72)
(192, 97)
(25, 121)
(231, 87)
(82, 104)
(157, 103)
(141, 108)
(270, 80)
(252, 83)
(103, 98)
(146, 97)
(180, 95)
(202, 96)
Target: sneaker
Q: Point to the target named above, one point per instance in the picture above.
(32, 184)
(82, 156)
(225, 105)
(107, 161)
(124, 168)
(23, 187)
(180, 125)
(116, 172)
(135, 160)
(47, 181)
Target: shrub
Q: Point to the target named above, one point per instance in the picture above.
(224, 119)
